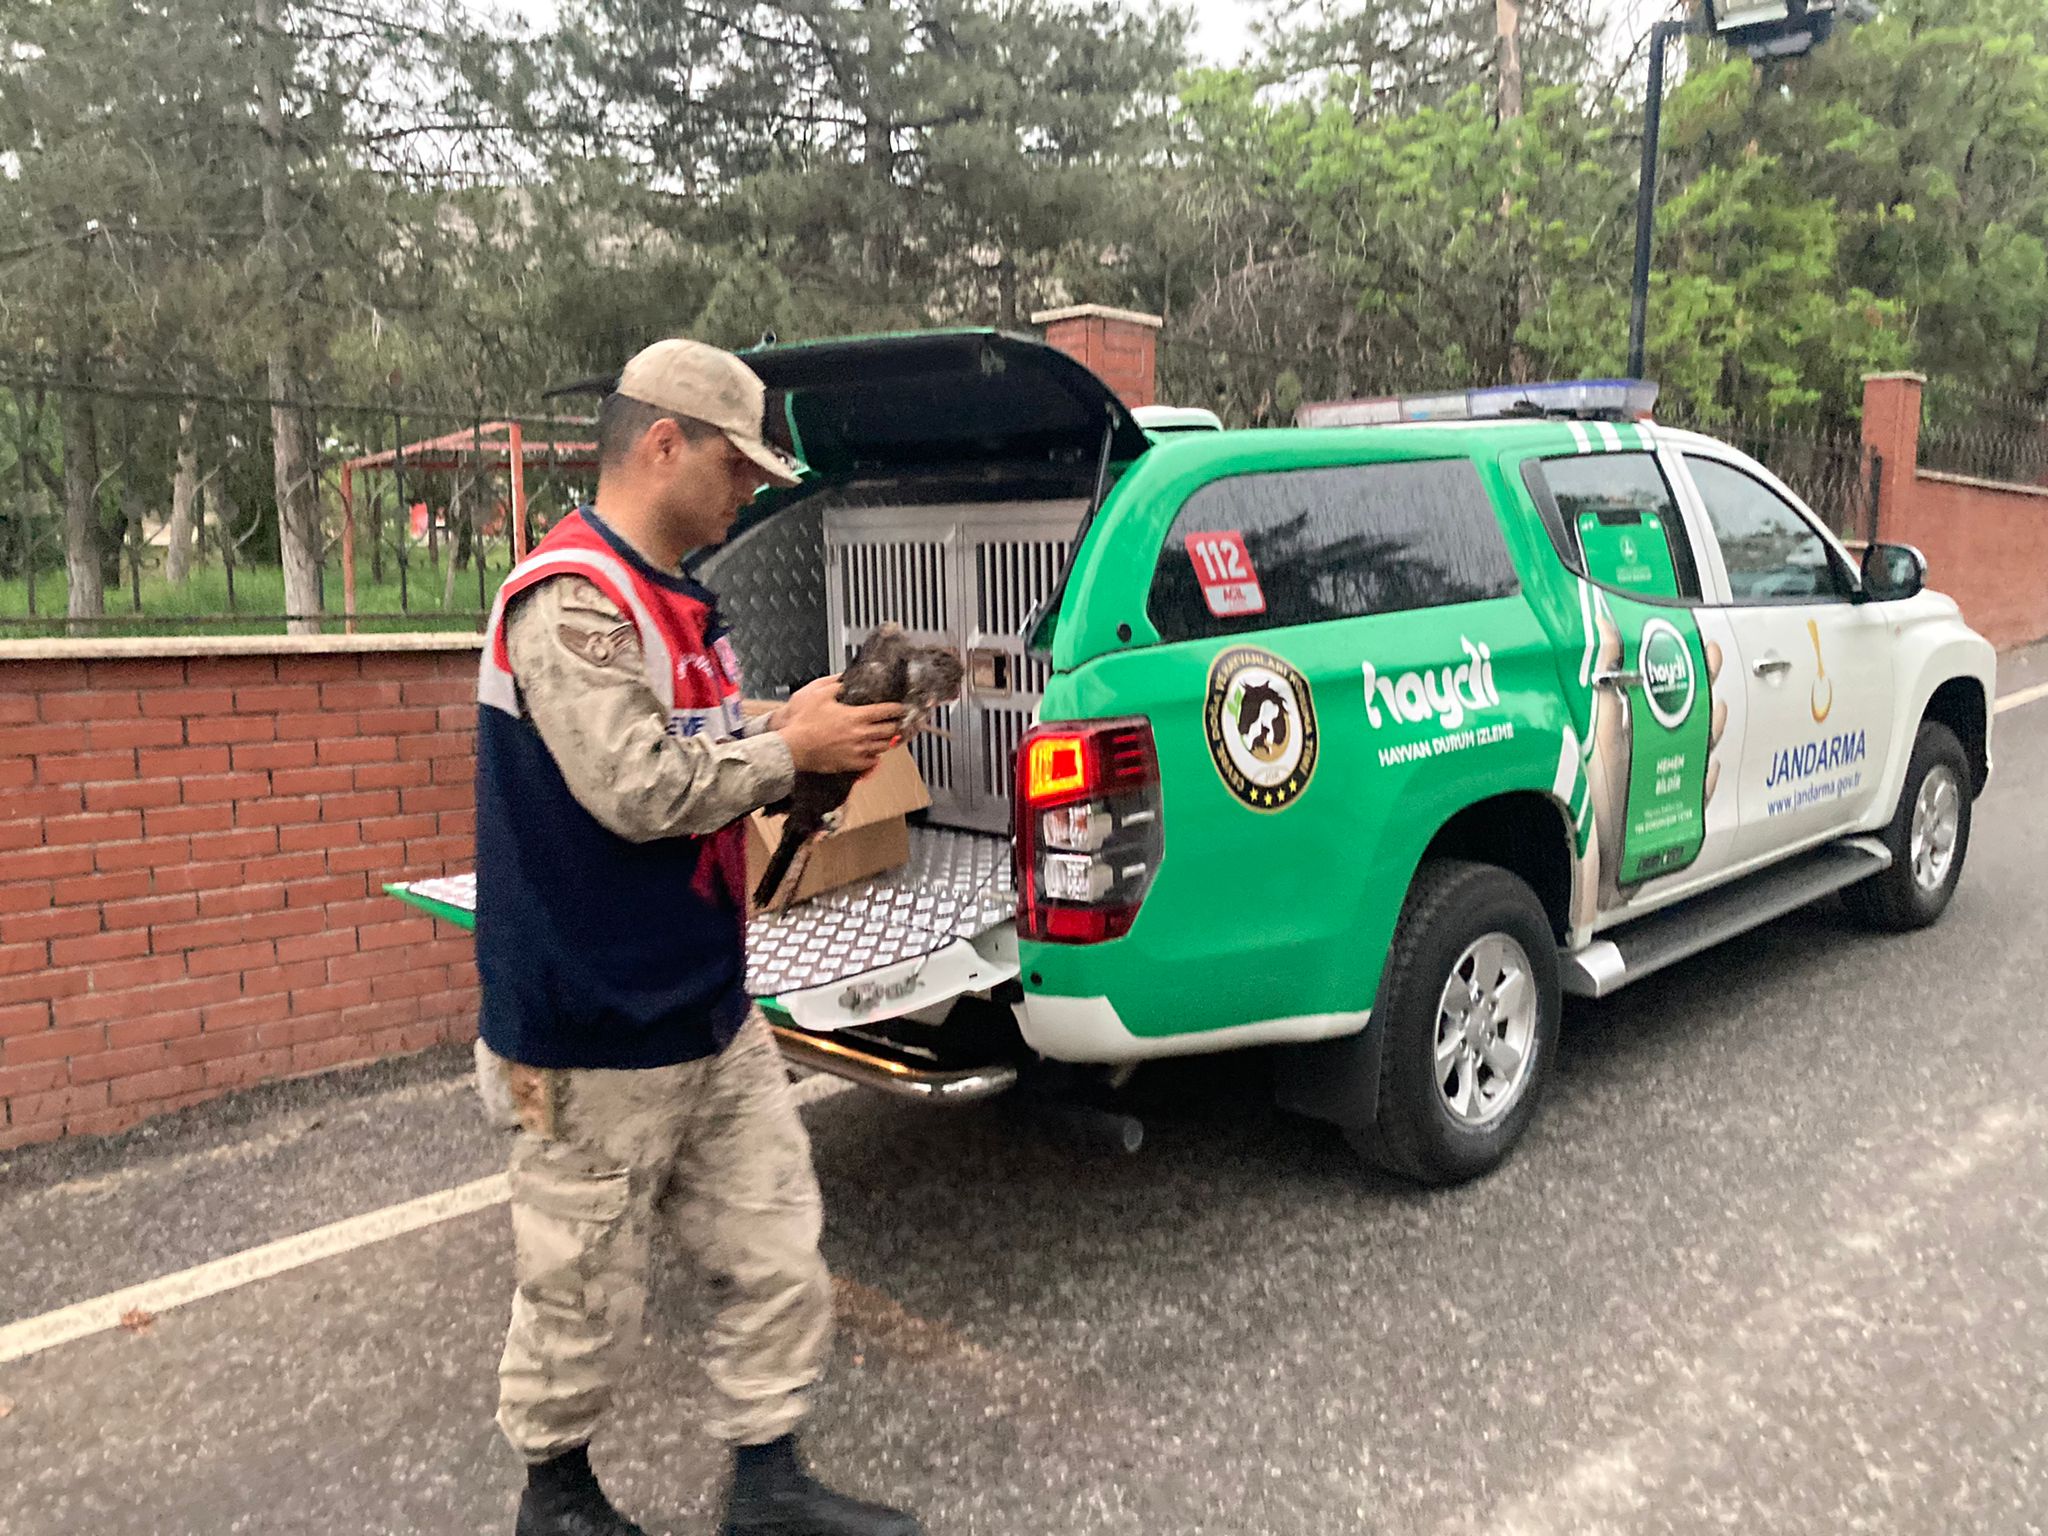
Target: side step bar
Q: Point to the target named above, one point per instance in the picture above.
(1649, 944)
(876, 1066)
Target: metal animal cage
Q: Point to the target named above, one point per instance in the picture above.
(805, 588)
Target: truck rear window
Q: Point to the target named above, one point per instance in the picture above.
(1336, 543)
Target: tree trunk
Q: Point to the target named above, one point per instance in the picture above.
(1006, 291)
(184, 497)
(293, 451)
(222, 512)
(879, 149)
(81, 509)
(295, 469)
(131, 515)
(211, 499)
(1507, 28)
(456, 497)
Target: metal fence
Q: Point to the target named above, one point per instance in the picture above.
(433, 504)
(1262, 386)
(1832, 472)
(1987, 437)
(171, 497)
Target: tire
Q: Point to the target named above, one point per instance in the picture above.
(1463, 922)
(1916, 889)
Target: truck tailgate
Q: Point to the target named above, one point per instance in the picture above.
(939, 928)
(917, 937)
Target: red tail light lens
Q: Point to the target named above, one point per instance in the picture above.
(1089, 838)
(1055, 768)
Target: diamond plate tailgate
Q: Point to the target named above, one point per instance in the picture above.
(936, 928)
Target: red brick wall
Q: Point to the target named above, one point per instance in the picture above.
(1986, 544)
(192, 849)
(1986, 547)
(1118, 347)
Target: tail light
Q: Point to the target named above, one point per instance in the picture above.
(1089, 837)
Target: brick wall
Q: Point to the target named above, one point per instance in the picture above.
(1120, 347)
(1987, 547)
(192, 849)
(1986, 543)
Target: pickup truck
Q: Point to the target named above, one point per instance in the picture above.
(1365, 744)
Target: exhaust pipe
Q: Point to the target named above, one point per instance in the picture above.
(1105, 1129)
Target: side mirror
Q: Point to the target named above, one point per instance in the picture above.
(1893, 572)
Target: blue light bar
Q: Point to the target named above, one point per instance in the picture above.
(1590, 399)
(1627, 398)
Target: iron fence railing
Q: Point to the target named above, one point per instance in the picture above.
(1834, 473)
(1986, 437)
(171, 493)
(172, 496)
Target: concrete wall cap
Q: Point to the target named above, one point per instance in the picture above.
(1907, 377)
(1098, 312)
(166, 647)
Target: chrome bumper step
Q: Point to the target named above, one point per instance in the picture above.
(899, 1073)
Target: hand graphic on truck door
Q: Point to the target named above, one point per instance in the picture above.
(1614, 780)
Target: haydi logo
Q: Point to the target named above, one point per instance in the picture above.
(1444, 695)
(1668, 679)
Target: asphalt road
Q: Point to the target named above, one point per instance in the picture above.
(1775, 1259)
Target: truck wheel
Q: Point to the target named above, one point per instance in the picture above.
(1928, 836)
(1469, 1006)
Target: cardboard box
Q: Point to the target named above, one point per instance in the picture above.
(872, 837)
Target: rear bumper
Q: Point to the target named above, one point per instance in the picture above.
(1089, 1029)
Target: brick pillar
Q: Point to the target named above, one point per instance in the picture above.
(1891, 430)
(1119, 346)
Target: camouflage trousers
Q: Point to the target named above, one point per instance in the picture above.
(715, 1149)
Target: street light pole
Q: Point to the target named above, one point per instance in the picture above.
(1661, 35)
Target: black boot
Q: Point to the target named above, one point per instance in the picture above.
(562, 1499)
(772, 1495)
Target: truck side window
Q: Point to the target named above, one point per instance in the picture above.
(1772, 553)
(1614, 520)
(1339, 543)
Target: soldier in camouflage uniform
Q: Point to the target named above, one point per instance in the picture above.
(614, 769)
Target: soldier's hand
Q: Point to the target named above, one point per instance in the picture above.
(824, 688)
(826, 736)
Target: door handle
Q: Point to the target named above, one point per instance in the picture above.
(1617, 677)
(988, 672)
(1771, 665)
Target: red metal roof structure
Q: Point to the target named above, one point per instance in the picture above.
(491, 444)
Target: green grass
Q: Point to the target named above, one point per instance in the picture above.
(201, 606)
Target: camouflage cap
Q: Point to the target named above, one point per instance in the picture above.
(690, 378)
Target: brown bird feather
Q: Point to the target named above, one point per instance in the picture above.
(890, 668)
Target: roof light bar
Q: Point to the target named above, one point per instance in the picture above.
(1578, 399)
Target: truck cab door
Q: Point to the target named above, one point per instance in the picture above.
(1815, 664)
(1653, 657)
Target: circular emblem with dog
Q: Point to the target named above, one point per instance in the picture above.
(1261, 725)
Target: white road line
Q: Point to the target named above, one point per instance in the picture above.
(33, 1335)
(36, 1334)
(2024, 696)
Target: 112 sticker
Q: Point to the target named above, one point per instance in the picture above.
(1223, 566)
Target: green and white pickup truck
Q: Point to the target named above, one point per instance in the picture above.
(1369, 744)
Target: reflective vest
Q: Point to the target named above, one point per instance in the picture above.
(594, 951)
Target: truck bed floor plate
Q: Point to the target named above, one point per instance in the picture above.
(956, 886)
